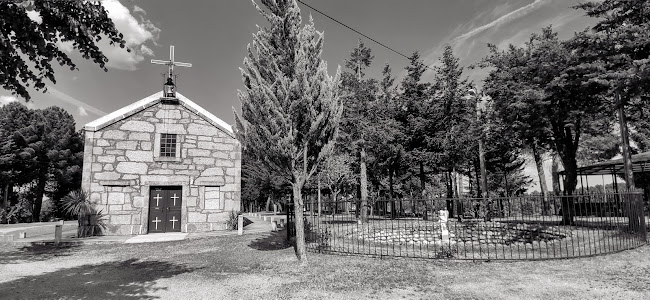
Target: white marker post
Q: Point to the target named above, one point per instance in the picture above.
(240, 224)
(444, 215)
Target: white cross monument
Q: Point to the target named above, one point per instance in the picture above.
(171, 63)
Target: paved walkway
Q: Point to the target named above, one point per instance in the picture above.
(43, 233)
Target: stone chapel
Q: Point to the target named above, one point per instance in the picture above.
(162, 164)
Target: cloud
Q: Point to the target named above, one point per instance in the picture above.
(136, 31)
(146, 50)
(139, 9)
(7, 99)
(70, 100)
(82, 111)
(515, 14)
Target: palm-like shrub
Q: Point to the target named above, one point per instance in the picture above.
(91, 220)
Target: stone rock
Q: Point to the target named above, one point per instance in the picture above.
(127, 145)
(198, 152)
(107, 176)
(145, 146)
(135, 155)
(120, 219)
(138, 201)
(217, 217)
(212, 172)
(102, 143)
(114, 134)
(199, 129)
(132, 167)
(134, 125)
(224, 163)
(168, 114)
(196, 217)
(115, 198)
(203, 161)
(139, 136)
(171, 128)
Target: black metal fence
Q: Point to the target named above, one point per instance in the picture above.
(510, 228)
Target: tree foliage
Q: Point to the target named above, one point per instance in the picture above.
(82, 23)
(40, 148)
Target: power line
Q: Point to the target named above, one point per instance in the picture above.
(358, 32)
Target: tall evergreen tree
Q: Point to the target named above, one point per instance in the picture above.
(415, 116)
(453, 115)
(356, 122)
(290, 105)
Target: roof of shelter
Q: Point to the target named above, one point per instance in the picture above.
(147, 102)
(640, 164)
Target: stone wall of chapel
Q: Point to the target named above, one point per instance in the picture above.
(120, 166)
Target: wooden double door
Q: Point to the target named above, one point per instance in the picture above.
(165, 204)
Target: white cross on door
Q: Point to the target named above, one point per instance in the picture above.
(174, 198)
(157, 199)
(156, 221)
(173, 220)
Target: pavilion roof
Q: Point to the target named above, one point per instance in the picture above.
(640, 164)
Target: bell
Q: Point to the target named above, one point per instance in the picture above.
(168, 89)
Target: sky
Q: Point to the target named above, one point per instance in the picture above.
(213, 36)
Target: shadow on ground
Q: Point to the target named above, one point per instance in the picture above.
(37, 253)
(129, 279)
(247, 221)
(273, 241)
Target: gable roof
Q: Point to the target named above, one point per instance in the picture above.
(145, 103)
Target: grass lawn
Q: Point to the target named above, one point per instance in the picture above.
(264, 267)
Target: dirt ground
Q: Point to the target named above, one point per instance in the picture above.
(264, 267)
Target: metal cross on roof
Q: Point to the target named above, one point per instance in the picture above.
(171, 63)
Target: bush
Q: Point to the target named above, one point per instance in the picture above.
(231, 223)
(91, 221)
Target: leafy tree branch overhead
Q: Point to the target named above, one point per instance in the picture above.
(30, 47)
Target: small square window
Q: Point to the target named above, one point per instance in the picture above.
(167, 145)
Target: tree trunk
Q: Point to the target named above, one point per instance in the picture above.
(363, 181)
(627, 155)
(455, 182)
(477, 173)
(555, 176)
(301, 247)
(390, 191)
(40, 191)
(5, 196)
(319, 201)
(449, 184)
(570, 181)
(539, 164)
(268, 203)
(423, 182)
